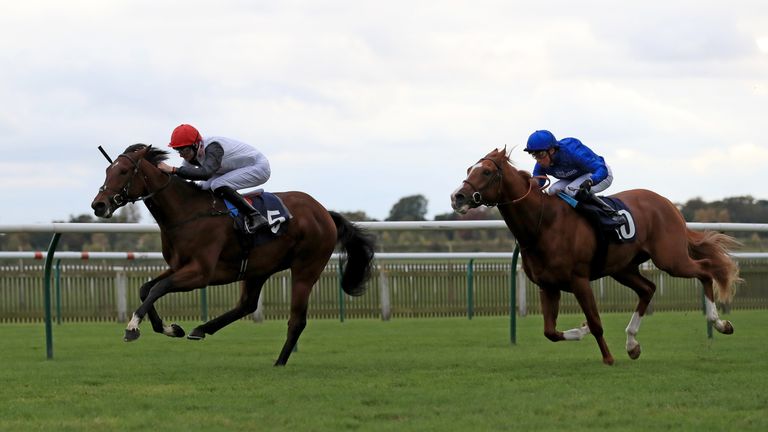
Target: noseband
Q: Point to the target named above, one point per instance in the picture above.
(477, 196)
(121, 197)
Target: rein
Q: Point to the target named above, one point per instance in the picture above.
(121, 197)
(477, 195)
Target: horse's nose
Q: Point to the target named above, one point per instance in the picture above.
(458, 200)
(99, 208)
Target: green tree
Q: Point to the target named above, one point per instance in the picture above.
(410, 208)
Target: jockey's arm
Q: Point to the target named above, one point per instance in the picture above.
(591, 163)
(539, 171)
(213, 155)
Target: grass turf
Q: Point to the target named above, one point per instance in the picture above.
(406, 374)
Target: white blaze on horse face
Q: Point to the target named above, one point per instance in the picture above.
(465, 207)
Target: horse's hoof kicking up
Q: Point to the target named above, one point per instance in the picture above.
(131, 335)
(196, 334)
(727, 328)
(634, 353)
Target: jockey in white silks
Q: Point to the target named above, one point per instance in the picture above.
(222, 165)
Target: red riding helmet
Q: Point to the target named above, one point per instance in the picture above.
(184, 135)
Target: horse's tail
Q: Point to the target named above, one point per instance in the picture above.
(715, 246)
(358, 247)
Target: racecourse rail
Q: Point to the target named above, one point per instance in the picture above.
(57, 229)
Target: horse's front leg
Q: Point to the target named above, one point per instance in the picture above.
(185, 279)
(150, 292)
(173, 330)
(586, 299)
(550, 307)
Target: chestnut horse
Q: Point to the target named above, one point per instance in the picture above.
(558, 247)
(202, 248)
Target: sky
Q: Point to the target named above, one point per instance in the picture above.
(362, 103)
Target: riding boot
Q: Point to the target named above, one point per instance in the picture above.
(616, 218)
(253, 220)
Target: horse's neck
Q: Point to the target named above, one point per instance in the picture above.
(524, 210)
(178, 202)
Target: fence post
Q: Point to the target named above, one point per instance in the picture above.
(341, 293)
(58, 292)
(121, 282)
(204, 304)
(522, 303)
(386, 306)
(513, 297)
(470, 288)
(47, 294)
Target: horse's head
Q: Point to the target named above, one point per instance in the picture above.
(485, 183)
(125, 181)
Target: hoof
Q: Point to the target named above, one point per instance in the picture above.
(131, 335)
(608, 361)
(634, 353)
(727, 328)
(176, 331)
(196, 334)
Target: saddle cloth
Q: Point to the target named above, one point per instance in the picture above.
(622, 234)
(271, 207)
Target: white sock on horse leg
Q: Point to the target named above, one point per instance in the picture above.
(712, 315)
(576, 334)
(632, 328)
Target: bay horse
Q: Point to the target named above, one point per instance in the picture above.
(558, 248)
(202, 248)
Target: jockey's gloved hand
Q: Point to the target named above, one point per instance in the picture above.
(583, 192)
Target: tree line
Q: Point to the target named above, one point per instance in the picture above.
(742, 209)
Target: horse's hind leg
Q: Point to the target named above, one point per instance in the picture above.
(249, 301)
(645, 289)
(303, 276)
(686, 267)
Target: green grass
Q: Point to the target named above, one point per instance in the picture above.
(406, 374)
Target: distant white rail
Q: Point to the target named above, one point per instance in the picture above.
(67, 227)
(131, 256)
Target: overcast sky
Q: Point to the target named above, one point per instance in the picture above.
(361, 103)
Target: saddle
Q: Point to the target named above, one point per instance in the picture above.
(605, 229)
(273, 209)
(602, 221)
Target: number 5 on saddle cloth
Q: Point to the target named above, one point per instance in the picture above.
(268, 204)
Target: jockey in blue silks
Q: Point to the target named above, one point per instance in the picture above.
(579, 170)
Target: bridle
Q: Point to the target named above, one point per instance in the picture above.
(477, 196)
(121, 197)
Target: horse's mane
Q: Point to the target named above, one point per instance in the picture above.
(502, 155)
(154, 155)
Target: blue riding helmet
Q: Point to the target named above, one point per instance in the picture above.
(541, 140)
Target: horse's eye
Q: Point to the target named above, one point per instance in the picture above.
(487, 173)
